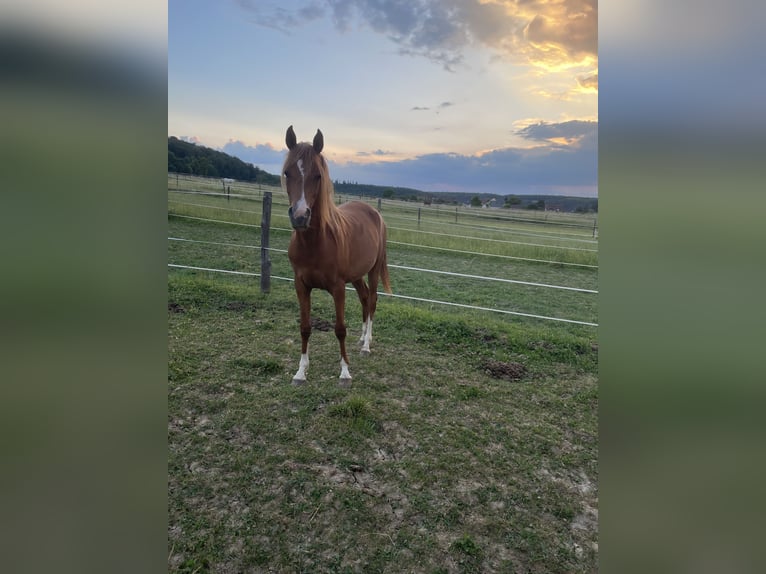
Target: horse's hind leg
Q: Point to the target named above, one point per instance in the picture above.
(339, 297)
(363, 292)
(372, 302)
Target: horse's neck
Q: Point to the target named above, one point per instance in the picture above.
(325, 212)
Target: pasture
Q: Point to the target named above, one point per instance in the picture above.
(468, 440)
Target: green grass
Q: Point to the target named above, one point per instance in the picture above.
(427, 463)
(501, 233)
(430, 462)
(242, 254)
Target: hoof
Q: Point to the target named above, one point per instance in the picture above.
(299, 382)
(365, 352)
(344, 382)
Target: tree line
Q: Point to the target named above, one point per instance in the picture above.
(185, 157)
(531, 202)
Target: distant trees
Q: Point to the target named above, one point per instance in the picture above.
(591, 207)
(537, 205)
(511, 201)
(185, 157)
(369, 190)
(475, 201)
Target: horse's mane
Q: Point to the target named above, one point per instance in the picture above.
(330, 217)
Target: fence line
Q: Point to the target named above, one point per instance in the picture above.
(409, 245)
(449, 210)
(221, 207)
(217, 243)
(489, 309)
(213, 220)
(445, 209)
(213, 194)
(492, 278)
(495, 240)
(402, 229)
(408, 268)
(472, 227)
(246, 273)
(491, 254)
(433, 301)
(560, 237)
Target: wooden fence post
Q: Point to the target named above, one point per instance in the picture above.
(265, 259)
(378, 205)
(456, 215)
(418, 217)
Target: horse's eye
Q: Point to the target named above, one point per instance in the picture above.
(286, 174)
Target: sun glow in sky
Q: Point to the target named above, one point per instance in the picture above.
(484, 96)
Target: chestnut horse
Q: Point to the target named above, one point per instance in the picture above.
(330, 246)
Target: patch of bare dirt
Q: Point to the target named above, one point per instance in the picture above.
(501, 370)
(321, 324)
(547, 345)
(174, 307)
(584, 525)
(237, 306)
(388, 498)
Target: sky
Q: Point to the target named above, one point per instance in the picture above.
(440, 95)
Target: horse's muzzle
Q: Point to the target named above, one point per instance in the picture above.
(301, 221)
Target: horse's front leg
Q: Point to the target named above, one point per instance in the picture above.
(304, 298)
(339, 296)
(363, 292)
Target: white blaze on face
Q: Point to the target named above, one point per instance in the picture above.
(300, 206)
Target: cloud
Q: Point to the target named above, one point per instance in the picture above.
(588, 83)
(280, 18)
(263, 156)
(564, 162)
(568, 132)
(552, 167)
(548, 33)
(565, 31)
(377, 152)
(440, 107)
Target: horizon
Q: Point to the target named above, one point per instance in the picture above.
(337, 181)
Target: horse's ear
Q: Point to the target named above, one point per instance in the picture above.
(318, 142)
(290, 138)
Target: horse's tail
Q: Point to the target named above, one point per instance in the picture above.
(384, 260)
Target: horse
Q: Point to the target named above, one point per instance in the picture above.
(330, 246)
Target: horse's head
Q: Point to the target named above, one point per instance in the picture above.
(302, 177)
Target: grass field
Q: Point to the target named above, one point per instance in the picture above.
(467, 442)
